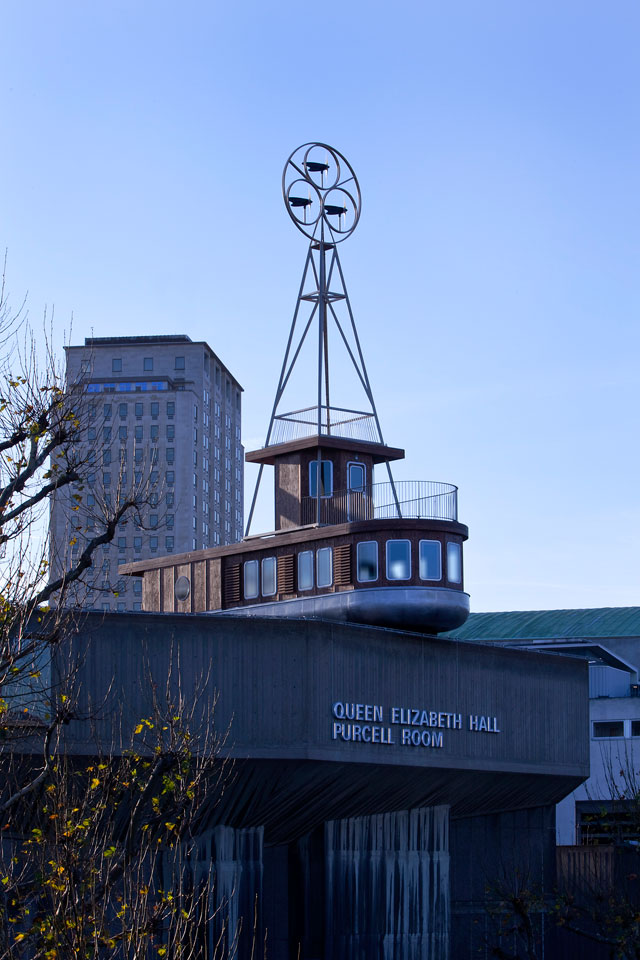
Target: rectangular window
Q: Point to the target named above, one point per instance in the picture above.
(170, 477)
(153, 520)
(171, 408)
(430, 560)
(106, 434)
(106, 479)
(147, 363)
(305, 570)
(139, 433)
(169, 498)
(153, 477)
(179, 364)
(92, 411)
(137, 544)
(155, 431)
(367, 561)
(107, 411)
(608, 728)
(153, 544)
(122, 433)
(123, 409)
(91, 433)
(324, 566)
(139, 409)
(171, 454)
(122, 544)
(168, 542)
(171, 431)
(635, 728)
(325, 467)
(454, 562)
(170, 517)
(398, 560)
(268, 576)
(106, 457)
(124, 387)
(116, 365)
(155, 409)
(138, 454)
(251, 579)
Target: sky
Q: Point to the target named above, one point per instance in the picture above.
(493, 273)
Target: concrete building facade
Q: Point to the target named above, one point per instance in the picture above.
(161, 415)
(609, 638)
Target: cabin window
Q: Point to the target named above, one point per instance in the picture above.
(355, 477)
(250, 579)
(268, 576)
(430, 560)
(454, 562)
(398, 559)
(367, 561)
(324, 566)
(325, 469)
(305, 570)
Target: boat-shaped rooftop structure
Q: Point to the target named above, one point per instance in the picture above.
(343, 547)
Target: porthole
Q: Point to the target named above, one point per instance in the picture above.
(182, 588)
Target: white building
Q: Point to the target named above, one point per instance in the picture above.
(609, 638)
(161, 413)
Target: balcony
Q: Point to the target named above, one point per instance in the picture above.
(406, 499)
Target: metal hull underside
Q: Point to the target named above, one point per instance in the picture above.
(425, 609)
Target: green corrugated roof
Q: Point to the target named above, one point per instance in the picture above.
(551, 624)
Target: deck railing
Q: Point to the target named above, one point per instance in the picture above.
(414, 499)
(334, 422)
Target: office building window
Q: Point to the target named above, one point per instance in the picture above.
(171, 454)
(116, 365)
(168, 542)
(608, 728)
(171, 431)
(139, 409)
(137, 544)
(138, 433)
(169, 498)
(106, 434)
(153, 544)
(138, 454)
(147, 363)
(106, 457)
(171, 409)
(107, 411)
(106, 479)
(170, 477)
(170, 518)
(155, 432)
(155, 410)
(122, 544)
(92, 411)
(153, 520)
(122, 433)
(179, 364)
(123, 410)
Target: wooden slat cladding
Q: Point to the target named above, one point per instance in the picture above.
(342, 565)
(232, 583)
(285, 574)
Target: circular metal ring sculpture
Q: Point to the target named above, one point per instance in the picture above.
(321, 193)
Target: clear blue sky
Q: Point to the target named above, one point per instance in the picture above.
(494, 272)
